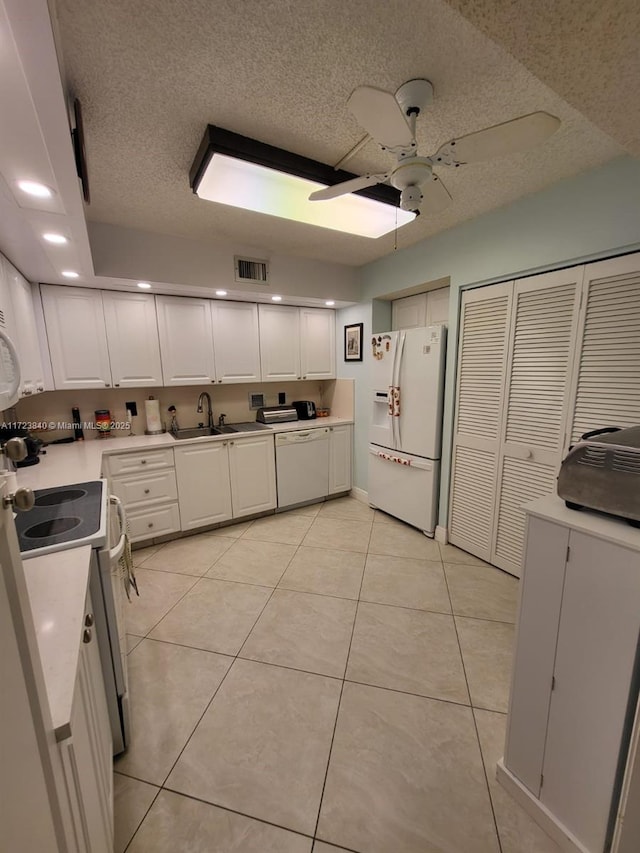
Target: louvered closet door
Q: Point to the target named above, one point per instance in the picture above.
(541, 347)
(484, 325)
(607, 371)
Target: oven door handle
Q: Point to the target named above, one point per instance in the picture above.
(117, 552)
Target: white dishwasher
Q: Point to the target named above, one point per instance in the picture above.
(302, 465)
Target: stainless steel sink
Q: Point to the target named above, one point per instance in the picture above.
(194, 432)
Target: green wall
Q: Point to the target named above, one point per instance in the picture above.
(591, 216)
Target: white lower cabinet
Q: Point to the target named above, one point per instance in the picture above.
(339, 459)
(220, 480)
(204, 486)
(87, 753)
(253, 474)
(575, 671)
(145, 482)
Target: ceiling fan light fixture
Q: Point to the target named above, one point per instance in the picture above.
(241, 172)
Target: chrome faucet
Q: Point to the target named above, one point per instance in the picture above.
(202, 397)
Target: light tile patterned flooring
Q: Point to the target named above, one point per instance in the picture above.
(326, 679)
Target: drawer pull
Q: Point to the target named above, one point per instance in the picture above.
(86, 635)
(150, 524)
(89, 620)
(143, 461)
(146, 491)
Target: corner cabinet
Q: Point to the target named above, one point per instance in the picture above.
(77, 337)
(296, 343)
(86, 753)
(576, 672)
(24, 332)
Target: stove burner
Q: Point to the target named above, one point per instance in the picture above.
(60, 497)
(51, 527)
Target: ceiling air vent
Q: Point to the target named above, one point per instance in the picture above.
(251, 269)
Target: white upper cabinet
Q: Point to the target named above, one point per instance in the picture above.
(77, 337)
(317, 343)
(132, 336)
(186, 340)
(24, 332)
(235, 341)
(297, 343)
(279, 342)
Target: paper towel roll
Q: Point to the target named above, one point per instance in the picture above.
(152, 412)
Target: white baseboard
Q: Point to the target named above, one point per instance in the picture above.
(543, 817)
(442, 534)
(360, 495)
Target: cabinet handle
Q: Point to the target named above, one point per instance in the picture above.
(88, 620)
(116, 384)
(232, 443)
(107, 385)
(143, 461)
(150, 524)
(330, 429)
(86, 635)
(146, 491)
(304, 377)
(219, 380)
(224, 443)
(297, 377)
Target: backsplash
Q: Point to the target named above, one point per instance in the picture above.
(232, 400)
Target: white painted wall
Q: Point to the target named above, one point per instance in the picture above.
(141, 255)
(591, 216)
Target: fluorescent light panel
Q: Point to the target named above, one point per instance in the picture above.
(241, 172)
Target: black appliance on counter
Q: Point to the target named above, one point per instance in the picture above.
(306, 409)
(33, 444)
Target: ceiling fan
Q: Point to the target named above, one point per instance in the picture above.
(390, 119)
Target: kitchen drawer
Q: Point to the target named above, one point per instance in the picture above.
(142, 491)
(156, 521)
(131, 463)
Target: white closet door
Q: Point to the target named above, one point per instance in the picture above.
(607, 371)
(541, 343)
(484, 326)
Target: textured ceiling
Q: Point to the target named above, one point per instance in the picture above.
(588, 51)
(151, 75)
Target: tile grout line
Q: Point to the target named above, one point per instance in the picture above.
(473, 716)
(346, 666)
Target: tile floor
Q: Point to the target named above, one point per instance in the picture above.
(323, 680)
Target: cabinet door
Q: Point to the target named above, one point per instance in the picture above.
(317, 343)
(409, 312)
(339, 459)
(236, 341)
(253, 474)
(87, 756)
(186, 340)
(77, 338)
(26, 333)
(595, 661)
(279, 342)
(204, 490)
(538, 619)
(132, 338)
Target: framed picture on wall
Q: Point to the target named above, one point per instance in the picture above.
(353, 342)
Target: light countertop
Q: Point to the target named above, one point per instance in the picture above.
(552, 508)
(57, 583)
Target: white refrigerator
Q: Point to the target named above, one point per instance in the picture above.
(407, 377)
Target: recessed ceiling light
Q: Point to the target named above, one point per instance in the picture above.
(144, 285)
(329, 303)
(221, 292)
(276, 298)
(70, 274)
(35, 189)
(58, 239)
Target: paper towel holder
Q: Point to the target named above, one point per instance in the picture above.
(154, 431)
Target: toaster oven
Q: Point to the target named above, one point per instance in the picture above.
(602, 472)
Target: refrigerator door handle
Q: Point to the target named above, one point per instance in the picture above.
(397, 366)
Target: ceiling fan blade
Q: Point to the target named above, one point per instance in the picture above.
(436, 196)
(347, 187)
(510, 137)
(381, 116)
